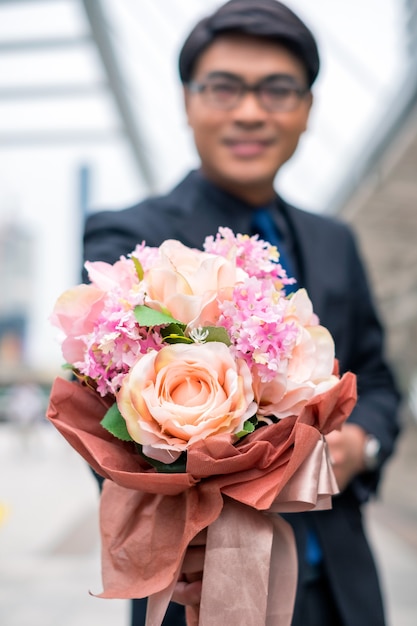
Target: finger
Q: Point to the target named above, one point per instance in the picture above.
(334, 438)
(187, 593)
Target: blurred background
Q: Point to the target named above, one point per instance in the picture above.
(91, 118)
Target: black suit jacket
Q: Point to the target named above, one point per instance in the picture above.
(331, 270)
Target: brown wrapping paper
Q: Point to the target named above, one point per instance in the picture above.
(148, 519)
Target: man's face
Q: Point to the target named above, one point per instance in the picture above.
(242, 148)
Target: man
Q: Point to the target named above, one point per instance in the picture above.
(247, 72)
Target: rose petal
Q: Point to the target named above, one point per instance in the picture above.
(185, 393)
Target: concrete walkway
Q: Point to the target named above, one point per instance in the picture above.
(49, 545)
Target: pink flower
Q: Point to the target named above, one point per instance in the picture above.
(147, 255)
(75, 313)
(189, 283)
(102, 337)
(184, 393)
(120, 275)
(307, 372)
(255, 256)
(256, 321)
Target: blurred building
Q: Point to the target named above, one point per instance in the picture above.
(382, 208)
(16, 301)
(383, 211)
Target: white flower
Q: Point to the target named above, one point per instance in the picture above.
(199, 335)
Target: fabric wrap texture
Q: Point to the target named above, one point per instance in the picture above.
(235, 491)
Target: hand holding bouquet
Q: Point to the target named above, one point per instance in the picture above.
(203, 395)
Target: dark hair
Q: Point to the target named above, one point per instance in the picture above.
(267, 19)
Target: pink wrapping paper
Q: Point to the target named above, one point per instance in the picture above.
(148, 519)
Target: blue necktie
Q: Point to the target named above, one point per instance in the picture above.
(263, 224)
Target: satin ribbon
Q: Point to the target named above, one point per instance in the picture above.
(312, 486)
(250, 572)
(250, 569)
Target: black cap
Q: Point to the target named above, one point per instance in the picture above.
(267, 19)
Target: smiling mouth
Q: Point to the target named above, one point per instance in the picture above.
(247, 147)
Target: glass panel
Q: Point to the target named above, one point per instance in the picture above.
(60, 67)
(35, 20)
(33, 115)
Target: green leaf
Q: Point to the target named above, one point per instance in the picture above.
(138, 267)
(217, 333)
(174, 333)
(176, 327)
(177, 467)
(114, 422)
(145, 316)
(248, 427)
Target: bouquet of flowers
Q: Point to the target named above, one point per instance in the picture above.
(203, 393)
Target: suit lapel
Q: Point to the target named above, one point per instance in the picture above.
(308, 258)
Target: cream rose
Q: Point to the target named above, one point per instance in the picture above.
(189, 283)
(184, 393)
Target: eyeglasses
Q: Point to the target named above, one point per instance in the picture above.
(275, 93)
